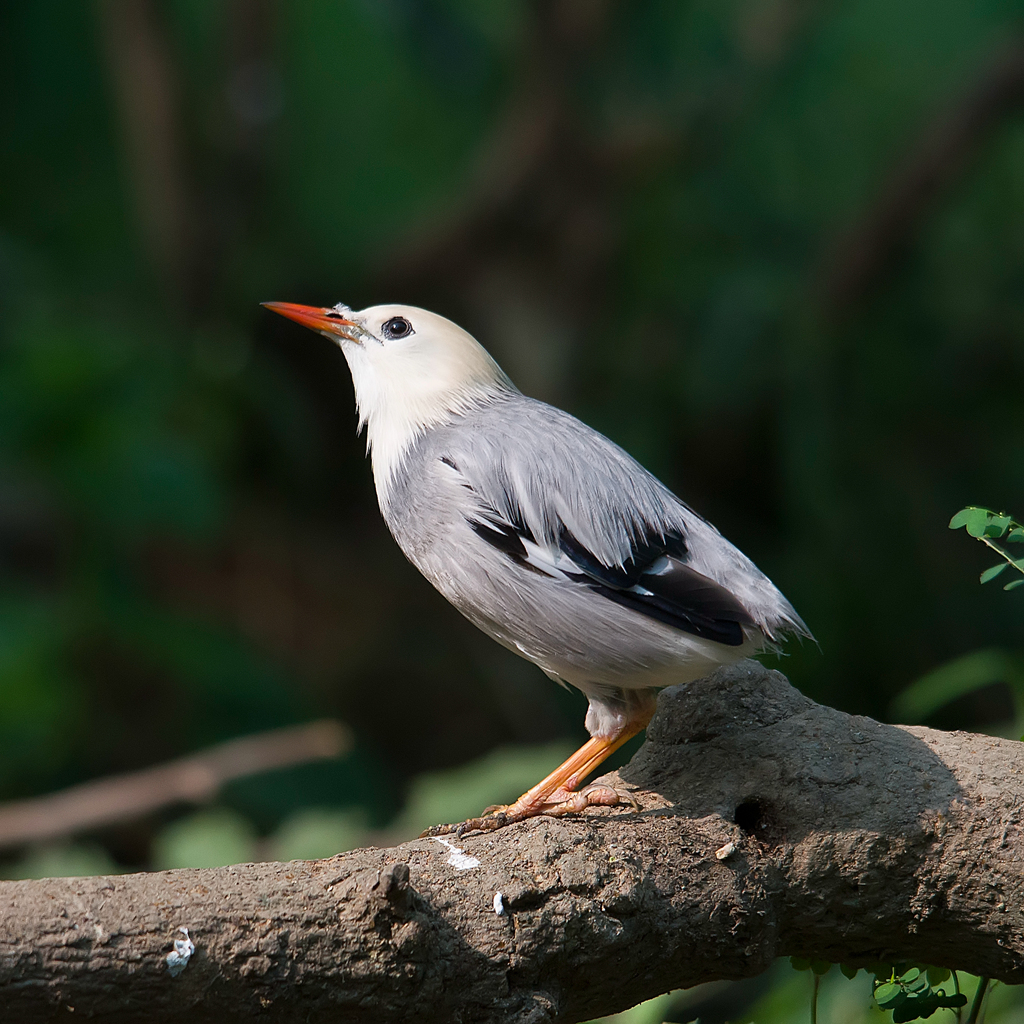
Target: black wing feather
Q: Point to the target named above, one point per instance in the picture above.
(645, 550)
(686, 599)
(679, 596)
(501, 536)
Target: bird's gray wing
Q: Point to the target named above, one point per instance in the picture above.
(560, 499)
(653, 581)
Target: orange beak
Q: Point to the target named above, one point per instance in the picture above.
(315, 318)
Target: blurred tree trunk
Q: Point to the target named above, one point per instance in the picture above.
(146, 90)
(770, 826)
(857, 260)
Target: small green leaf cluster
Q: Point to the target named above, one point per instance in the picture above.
(910, 991)
(988, 527)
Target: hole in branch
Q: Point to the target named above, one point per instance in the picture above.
(749, 816)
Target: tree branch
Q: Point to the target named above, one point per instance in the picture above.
(195, 778)
(770, 826)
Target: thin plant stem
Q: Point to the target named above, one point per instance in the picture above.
(1002, 554)
(814, 999)
(979, 998)
(956, 989)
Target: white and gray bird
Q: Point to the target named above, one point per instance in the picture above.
(545, 534)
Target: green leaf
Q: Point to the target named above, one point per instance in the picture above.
(952, 1002)
(991, 574)
(889, 995)
(997, 526)
(1013, 584)
(979, 521)
(849, 970)
(968, 515)
(915, 1007)
(1016, 534)
(821, 966)
(798, 963)
(937, 975)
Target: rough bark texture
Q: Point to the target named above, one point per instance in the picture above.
(853, 841)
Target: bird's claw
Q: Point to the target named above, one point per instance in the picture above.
(437, 830)
(486, 823)
(597, 794)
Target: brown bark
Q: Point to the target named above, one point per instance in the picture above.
(852, 841)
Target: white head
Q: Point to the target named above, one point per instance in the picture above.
(411, 369)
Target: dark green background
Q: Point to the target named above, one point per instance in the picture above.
(775, 248)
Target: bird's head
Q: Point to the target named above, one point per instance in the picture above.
(411, 370)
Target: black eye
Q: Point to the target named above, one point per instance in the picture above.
(397, 327)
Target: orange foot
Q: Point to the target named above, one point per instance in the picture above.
(599, 794)
(557, 794)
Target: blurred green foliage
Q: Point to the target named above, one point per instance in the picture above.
(209, 839)
(960, 678)
(775, 249)
(460, 793)
(318, 832)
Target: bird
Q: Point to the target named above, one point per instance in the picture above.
(546, 535)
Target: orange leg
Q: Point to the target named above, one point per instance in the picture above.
(570, 773)
(556, 794)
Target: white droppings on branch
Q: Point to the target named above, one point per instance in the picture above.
(178, 958)
(459, 859)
